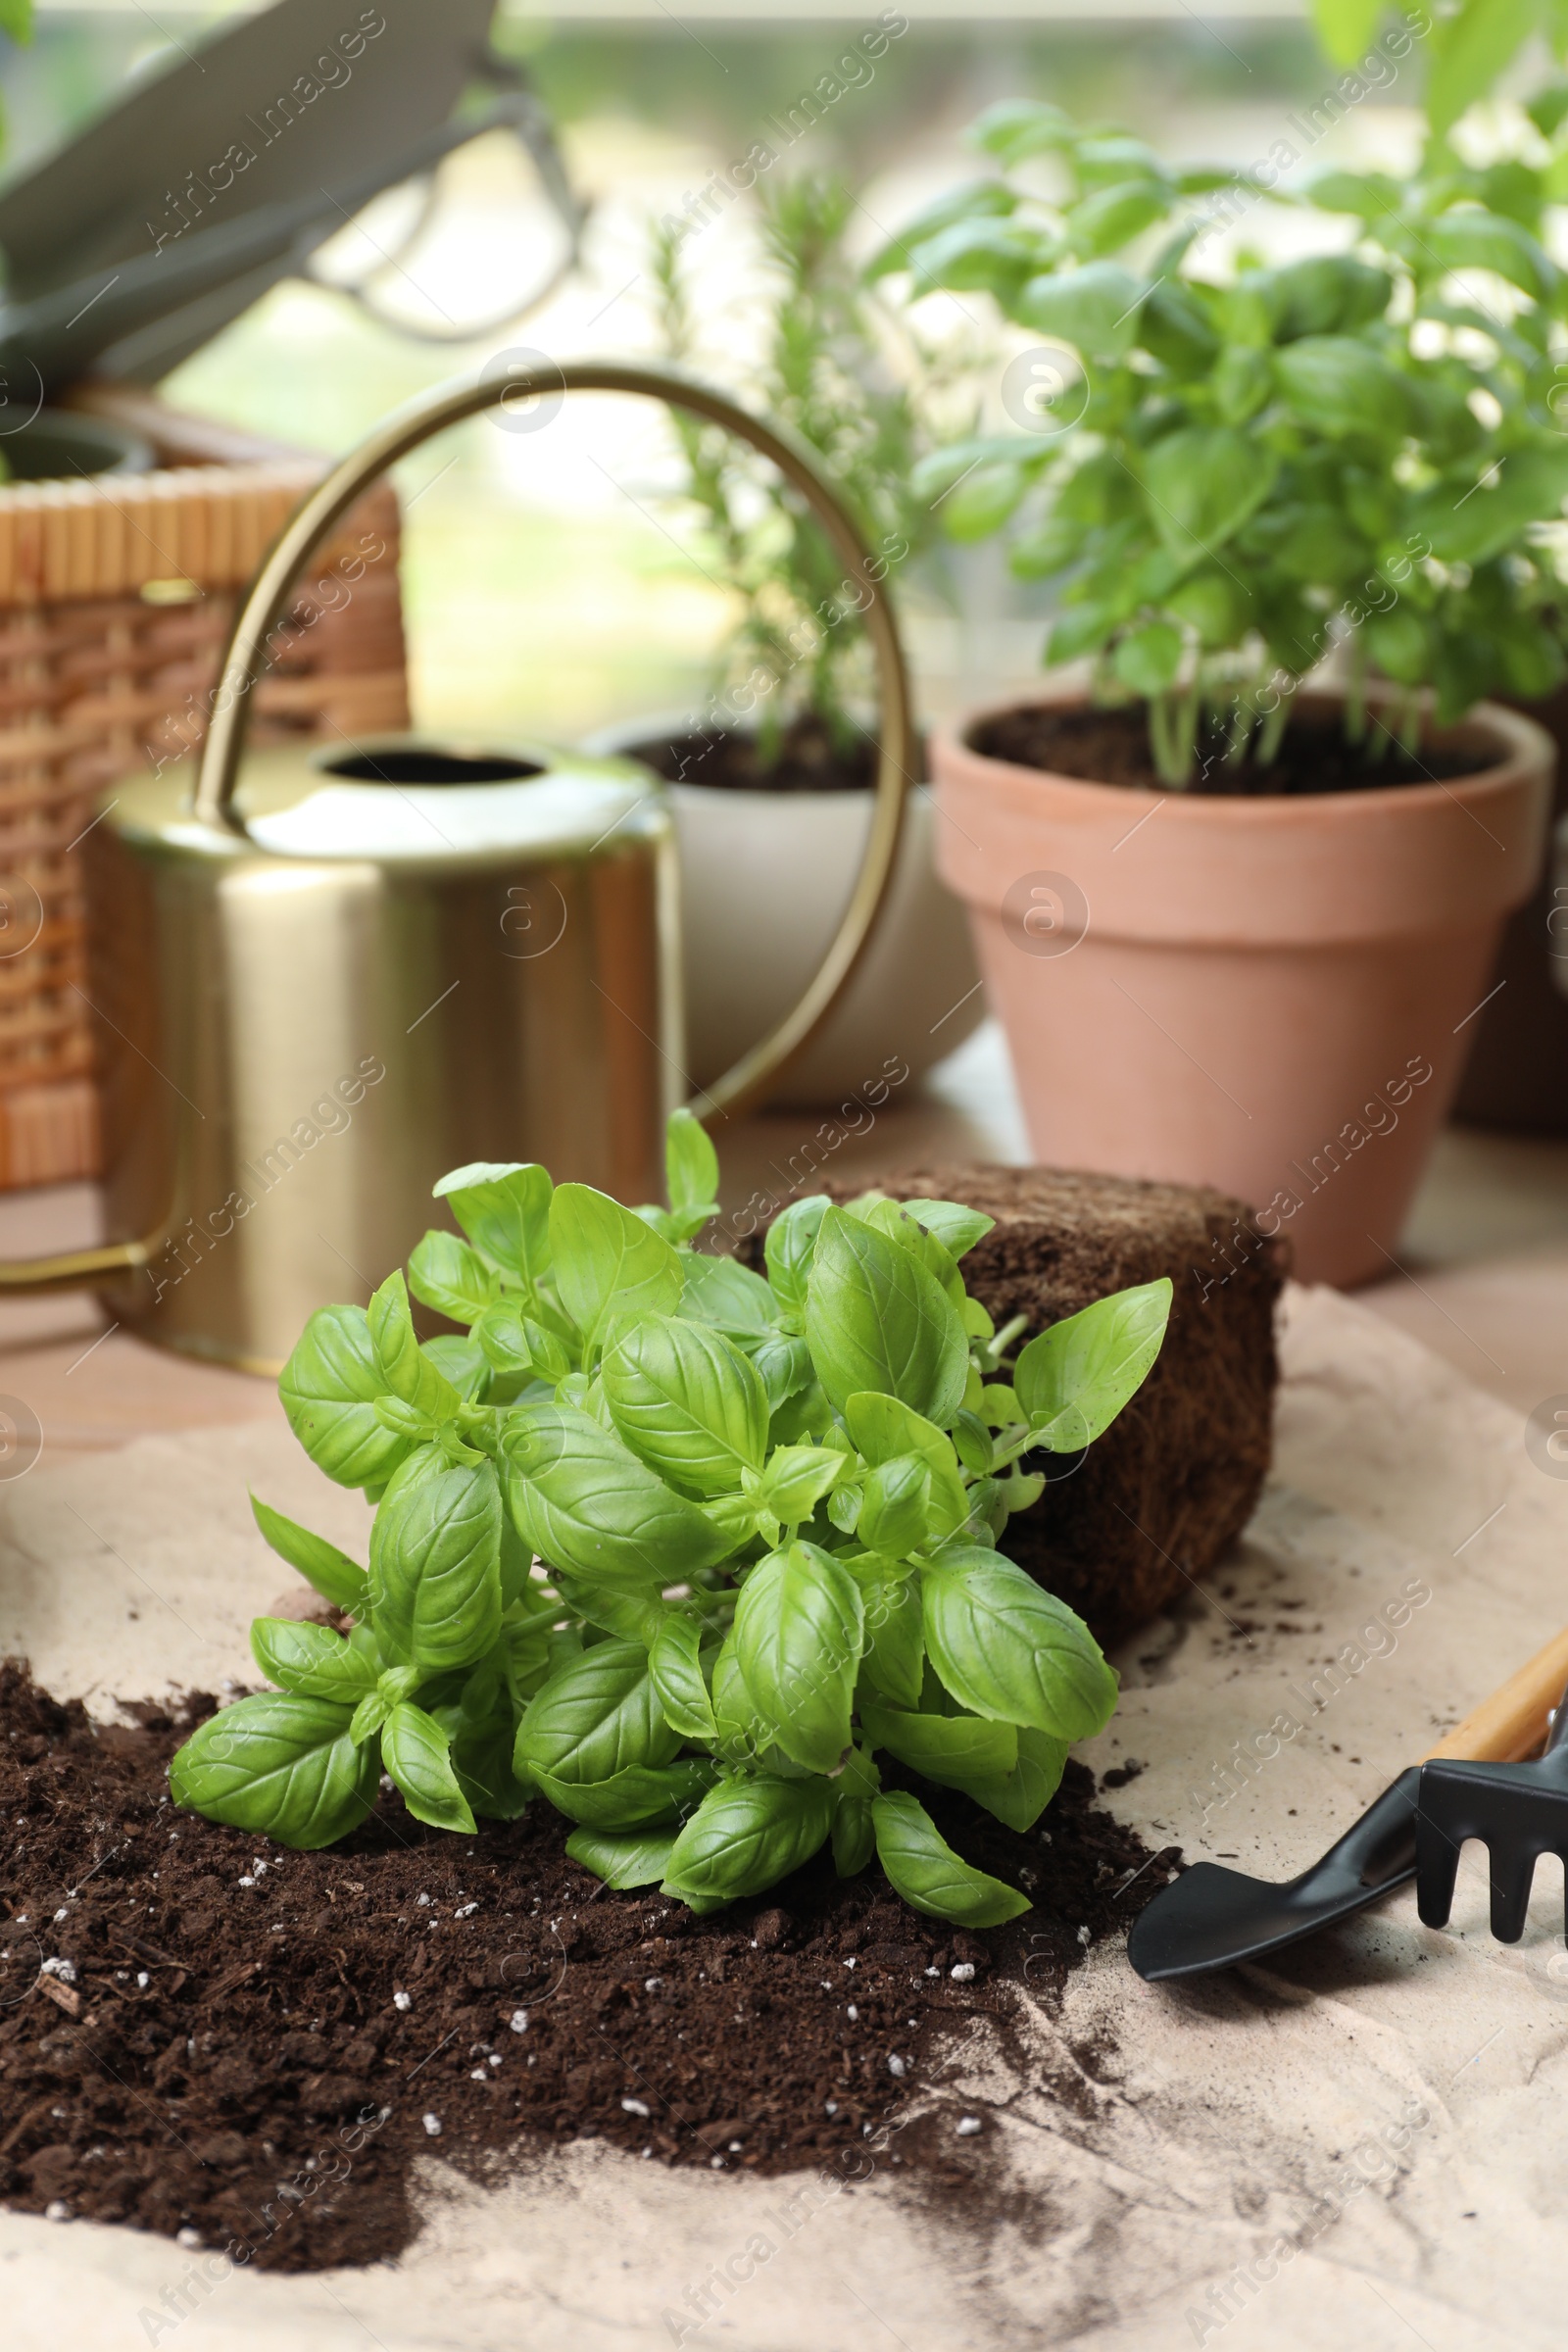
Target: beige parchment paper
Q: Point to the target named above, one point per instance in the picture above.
(1366, 2144)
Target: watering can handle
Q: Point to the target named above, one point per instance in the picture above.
(268, 599)
(276, 582)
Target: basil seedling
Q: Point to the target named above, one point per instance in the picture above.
(677, 1548)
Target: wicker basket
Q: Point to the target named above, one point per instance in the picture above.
(116, 598)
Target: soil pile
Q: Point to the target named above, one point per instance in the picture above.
(207, 2034)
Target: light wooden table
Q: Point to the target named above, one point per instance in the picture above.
(1485, 1280)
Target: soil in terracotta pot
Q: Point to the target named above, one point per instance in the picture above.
(206, 2034)
(1112, 747)
(805, 758)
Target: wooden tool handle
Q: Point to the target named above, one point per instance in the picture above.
(1511, 1724)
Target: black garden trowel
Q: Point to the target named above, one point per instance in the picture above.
(1475, 1783)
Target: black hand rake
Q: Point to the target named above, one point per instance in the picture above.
(1212, 1917)
(1519, 1811)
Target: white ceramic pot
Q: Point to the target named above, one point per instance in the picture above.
(765, 876)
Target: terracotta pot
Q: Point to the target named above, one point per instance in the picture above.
(764, 878)
(1271, 996)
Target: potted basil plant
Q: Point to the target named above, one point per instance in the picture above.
(1237, 923)
(679, 1549)
(770, 782)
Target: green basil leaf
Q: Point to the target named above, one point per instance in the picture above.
(1023, 1795)
(741, 1731)
(853, 1835)
(369, 1715)
(789, 1246)
(930, 1877)
(596, 1717)
(798, 1628)
(797, 1476)
(1325, 294)
(584, 1502)
(956, 1227)
(638, 1858)
(675, 1666)
(804, 1419)
(486, 1773)
(734, 1299)
(736, 1517)
(895, 1638)
(516, 1564)
(405, 1420)
(876, 1320)
(973, 1442)
(844, 1506)
(687, 1401)
(784, 1364)
(628, 1616)
(336, 1577)
(979, 256)
(1014, 129)
(854, 1831)
(1075, 1378)
(1007, 1650)
(281, 1765)
(462, 1362)
(748, 1833)
(896, 1496)
(1148, 659)
(691, 1164)
(977, 199)
(953, 1750)
(436, 1567)
(883, 1429)
(1487, 514)
(635, 1798)
(1202, 482)
(407, 1371)
(504, 1208)
(1095, 308)
(515, 1343)
(328, 1389)
(449, 1276)
(416, 1752)
(983, 500)
(608, 1262)
(1471, 239)
(311, 1660)
(1342, 386)
(896, 1221)
(525, 1655)
(1373, 195)
(1111, 216)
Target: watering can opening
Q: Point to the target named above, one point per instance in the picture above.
(415, 763)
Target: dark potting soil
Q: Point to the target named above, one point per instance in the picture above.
(207, 2034)
(1112, 747)
(805, 758)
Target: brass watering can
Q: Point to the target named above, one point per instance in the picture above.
(324, 976)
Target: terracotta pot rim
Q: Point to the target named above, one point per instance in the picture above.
(1518, 740)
